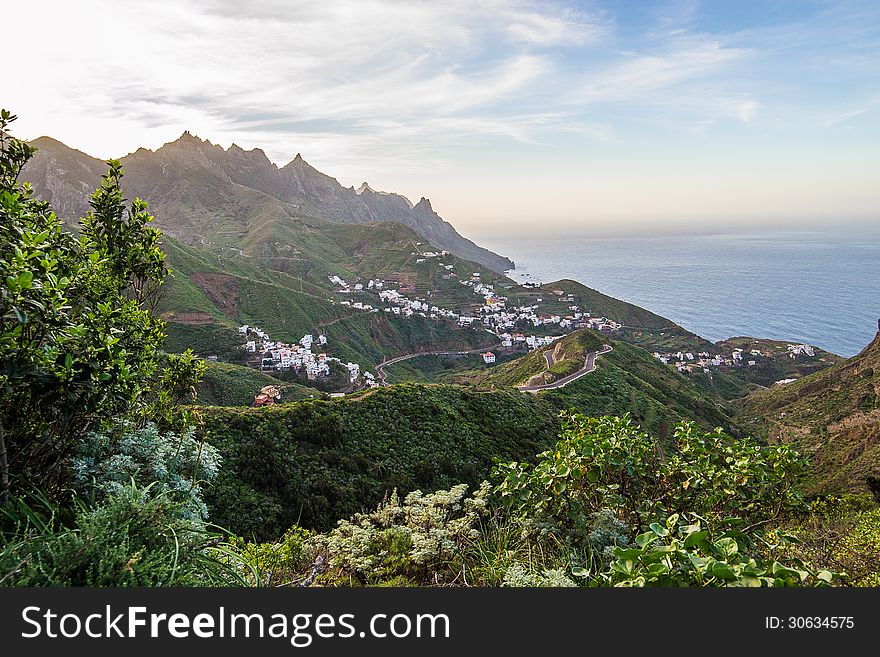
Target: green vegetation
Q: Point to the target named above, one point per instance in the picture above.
(627, 380)
(111, 474)
(603, 507)
(78, 344)
(225, 384)
(431, 369)
(313, 462)
(80, 356)
(568, 356)
(136, 538)
(832, 415)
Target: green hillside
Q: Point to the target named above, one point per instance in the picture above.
(225, 384)
(774, 364)
(834, 415)
(626, 380)
(209, 297)
(568, 355)
(314, 462)
(598, 304)
(630, 380)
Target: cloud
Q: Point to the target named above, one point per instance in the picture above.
(842, 118)
(384, 88)
(747, 110)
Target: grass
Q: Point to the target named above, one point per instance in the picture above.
(225, 384)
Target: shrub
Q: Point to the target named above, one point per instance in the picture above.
(688, 552)
(136, 538)
(609, 463)
(106, 463)
(78, 344)
(519, 576)
(414, 539)
(274, 564)
(842, 533)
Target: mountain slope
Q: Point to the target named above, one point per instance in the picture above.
(627, 379)
(204, 194)
(834, 415)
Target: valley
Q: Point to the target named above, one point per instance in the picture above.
(389, 337)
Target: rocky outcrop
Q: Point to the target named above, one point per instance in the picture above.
(195, 187)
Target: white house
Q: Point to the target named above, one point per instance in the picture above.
(488, 357)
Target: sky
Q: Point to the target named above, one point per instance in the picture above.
(588, 117)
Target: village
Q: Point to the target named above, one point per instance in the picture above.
(688, 362)
(274, 356)
(490, 313)
(511, 325)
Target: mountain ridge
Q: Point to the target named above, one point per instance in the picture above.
(198, 188)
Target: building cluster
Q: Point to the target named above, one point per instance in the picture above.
(795, 350)
(531, 341)
(423, 256)
(497, 317)
(269, 355)
(492, 313)
(690, 362)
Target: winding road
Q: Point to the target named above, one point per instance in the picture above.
(589, 366)
(380, 368)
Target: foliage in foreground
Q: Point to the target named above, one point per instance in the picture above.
(605, 507)
(610, 463)
(178, 466)
(78, 344)
(136, 538)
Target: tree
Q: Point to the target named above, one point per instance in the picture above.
(78, 344)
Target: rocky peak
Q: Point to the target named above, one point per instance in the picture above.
(423, 206)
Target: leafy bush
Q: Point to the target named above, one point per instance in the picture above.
(609, 463)
(406, 540)
(842, 533)
(106, 463)
(137, 538)
(519, 576)
(273, 564)
(682, 552)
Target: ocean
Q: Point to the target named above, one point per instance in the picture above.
(817, 288)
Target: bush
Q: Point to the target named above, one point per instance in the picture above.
(842, 533)
(78, 344)
(687, 552)
(518, 576)
(136, 538)
(609, 463)
(415, 540)
(106, 463)
(273, 564)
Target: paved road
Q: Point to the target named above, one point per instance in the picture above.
(548, 356)
(589, 366)
(380, 368)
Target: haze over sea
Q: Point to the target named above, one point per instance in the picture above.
(821, 288)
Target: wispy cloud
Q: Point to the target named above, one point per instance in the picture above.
(393, 86)
(435, 71)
